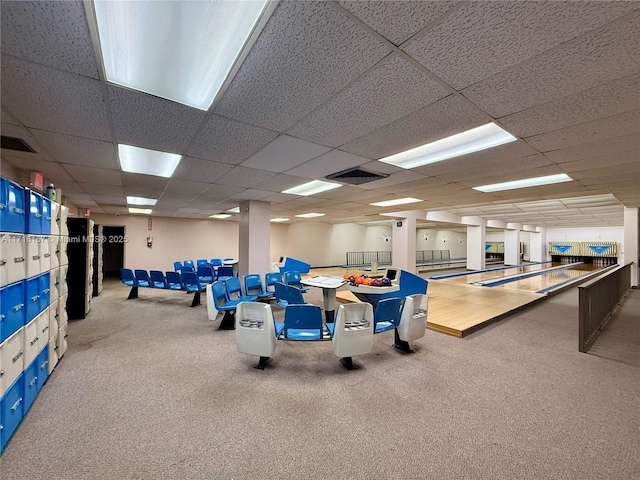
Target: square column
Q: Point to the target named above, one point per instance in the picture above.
(476, 240)
(254, 238)
(538, 245)
(512, 244)
(403, 249)
(631, 247)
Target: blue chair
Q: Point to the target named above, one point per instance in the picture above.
(157, 279)
(303, 322)
(294, 296)
(188, 263)
(270, 279)
(218, 302)
(177, 266)
(387, 314)
(234, 291)
(281, 294)
(192, 284)
(205, 273)
(187, 268)
(202, 262)
(294, 279)
(224, 273)
(174, 281)
(253, 286)
(142, 276)
(127, 277)
(215, 262)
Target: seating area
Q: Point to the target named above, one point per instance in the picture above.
(186, 281)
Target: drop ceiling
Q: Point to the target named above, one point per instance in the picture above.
(329, 86)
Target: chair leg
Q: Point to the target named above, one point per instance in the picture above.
(401, 344)
(348, 363)
(196, 299)
(263, 363)
(133, 293)
(228, 321)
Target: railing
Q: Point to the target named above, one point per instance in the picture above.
(367, 258)
(429, 256)
(598, 299)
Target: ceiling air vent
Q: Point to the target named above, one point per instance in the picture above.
(356, 176)
(12, 143)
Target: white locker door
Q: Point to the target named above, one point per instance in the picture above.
(13, 265)
(33, 256)
(54, 315)
(43, 328)
(64, 229)
(31, 341)
(45, 253)
(62, 339)
(54, 277)
(55, 251)
(53, 352)
(62, 285)
(12, 353)
(62, 253)
(87, 303)
(55, 218)
(63, 317)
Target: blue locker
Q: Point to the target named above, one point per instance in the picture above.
(44, 287)
(13, 218)
(12, 311)
(30, 384)
(4, 200)
(42, 360)
(46, 216)
(32, 298)
(12, 410)
(34, 216)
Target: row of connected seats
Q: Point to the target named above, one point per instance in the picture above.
(33, 298)
(185, 281)
(351, 333)
(202, 262)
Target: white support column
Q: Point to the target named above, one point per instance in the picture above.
(538, 245)
(512, 244)
(476, 240)
(403, 249)
(254, 237)
(631, 246)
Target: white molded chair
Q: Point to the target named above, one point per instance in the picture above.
(352, 332)
(255, 330)
(413, 322)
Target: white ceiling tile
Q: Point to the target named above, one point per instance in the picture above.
(397, 21)
(601, 162)
(78, 150)
(484, 38)
(331, 162)
(522, 165)
(142, 191)
(63, 39)
(251, 194)
(283, 153)
(102, 176)
(138, 181)
(50, 99)
(200, 170)
(109, 200)
(217, 192)
(150, 122)
(109, 209)
(609, 147)
(395, 179)
(277, 198)
(448, 116)
(179, 189)
(306, 52)
(604, 100)
(7, 118)
(99, 189)
(392, 90)
(17, 131)
(245, 177)
(615, 126)
(608, 54)
(280, 182)
(223, 140)
(53, 171)
(69, 187)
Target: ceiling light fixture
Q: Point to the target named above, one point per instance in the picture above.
(181, 51)
(234, 210)
(279, 219)
(148, 162)
(398, 201)
(474, 140)
(311, 188)
(145, 211)
(141, 201)
(220, 216)
(527, 182)
(310, 215)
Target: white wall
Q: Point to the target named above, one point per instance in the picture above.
(455, 242)
(587, 234)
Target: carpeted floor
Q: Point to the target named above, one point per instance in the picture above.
(150, 389)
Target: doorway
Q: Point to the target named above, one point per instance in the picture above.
(113, 251)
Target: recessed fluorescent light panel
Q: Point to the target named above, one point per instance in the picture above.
(398, 201)
(277, 220)
(141, 201)
(146, 211)
(310, 215)
(312, 187)
(474, 140)
(220, 216)
(181, 51)
(234, 210)
(527, 182)
(149, 162)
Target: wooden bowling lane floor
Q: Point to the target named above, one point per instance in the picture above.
(490, 275)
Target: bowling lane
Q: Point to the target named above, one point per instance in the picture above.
(494, 274)
(549, 279)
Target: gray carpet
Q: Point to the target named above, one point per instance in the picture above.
(150, 389)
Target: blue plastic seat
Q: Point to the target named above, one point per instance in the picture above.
(281, 294)
(177, 266)
(224, 272)
(192, 283)
(215, 262)
(202, 262)
(142, 276)
(157, 279)
(294, 279)
(234, 291)
(187, 268)
(294, 296)
(205, 273)
(303, 322)
(188, 263)
(270, 279)
(253, 286)
(387, 314)
(174, 281)
(127, 277)
(218, 302)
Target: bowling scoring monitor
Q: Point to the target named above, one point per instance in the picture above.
(393, 274)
